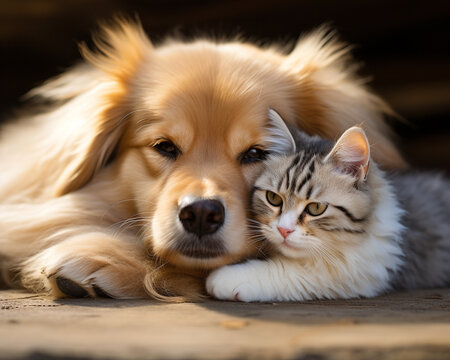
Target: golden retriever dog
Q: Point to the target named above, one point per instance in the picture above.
(131, 178)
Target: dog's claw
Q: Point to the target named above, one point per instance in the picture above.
(70, 288)
(100, 292)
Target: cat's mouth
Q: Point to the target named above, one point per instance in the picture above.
(292, 245)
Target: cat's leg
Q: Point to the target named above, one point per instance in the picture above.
(283, 279)
(262, 280)
(92, 264)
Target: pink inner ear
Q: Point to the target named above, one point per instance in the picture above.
(352, 153)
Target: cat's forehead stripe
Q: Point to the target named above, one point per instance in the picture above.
(309, 192)
(286, 174)
(290, 177)
(298, 172)
(308, 176)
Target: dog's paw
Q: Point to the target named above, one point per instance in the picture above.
(89, 266)
(234, 283)
(78, 278)
(70, 288)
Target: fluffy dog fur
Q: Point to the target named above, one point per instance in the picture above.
(86, 196)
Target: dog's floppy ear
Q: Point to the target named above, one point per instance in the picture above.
(330, 97)
(120, 49)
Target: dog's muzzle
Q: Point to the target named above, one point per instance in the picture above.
(201, 220)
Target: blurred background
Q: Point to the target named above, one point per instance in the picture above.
(403, 46)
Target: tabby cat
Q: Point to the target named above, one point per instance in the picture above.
(339, 227)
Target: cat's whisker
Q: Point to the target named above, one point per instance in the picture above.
(254, 238)
(261, 252)
(255, 235)
(256, 241)
(253, 221)
(254, 228)
(325, 252)
(253, 243)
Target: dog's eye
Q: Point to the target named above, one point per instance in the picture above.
(252, 155)
(167, 148)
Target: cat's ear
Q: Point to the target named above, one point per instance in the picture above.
(351, 154)
(279, 138)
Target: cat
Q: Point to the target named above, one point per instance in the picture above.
(338, 227)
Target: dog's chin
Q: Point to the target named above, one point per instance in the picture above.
(200, 253)
(184, 261)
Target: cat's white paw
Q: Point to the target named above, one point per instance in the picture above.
(233, 282)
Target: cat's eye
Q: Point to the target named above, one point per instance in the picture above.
(316, 208)
(166, 148)
(274, 199)
(253, 154)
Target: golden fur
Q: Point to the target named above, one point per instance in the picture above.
(85, 196)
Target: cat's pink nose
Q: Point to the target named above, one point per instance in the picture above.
(285, 232)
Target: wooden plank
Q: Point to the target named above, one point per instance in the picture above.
(411, 325)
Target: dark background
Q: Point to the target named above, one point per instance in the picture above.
(404, 47)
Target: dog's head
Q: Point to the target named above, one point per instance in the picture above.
(203, 121)
(189, 124)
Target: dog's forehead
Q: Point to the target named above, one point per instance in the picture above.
(212, 110)
(234, 131)
(205, 95)
(218, 74)
(211, 92)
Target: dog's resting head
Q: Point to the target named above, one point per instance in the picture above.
(188, 124)
(202, 123)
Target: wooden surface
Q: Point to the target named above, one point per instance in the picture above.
(414, 325)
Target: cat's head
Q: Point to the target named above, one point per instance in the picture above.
(312, 203)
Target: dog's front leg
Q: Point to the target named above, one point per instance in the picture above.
(75, 245)
(71, 245)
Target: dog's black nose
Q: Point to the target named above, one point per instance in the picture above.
(202, 217)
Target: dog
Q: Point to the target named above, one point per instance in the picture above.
(132, 179)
